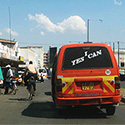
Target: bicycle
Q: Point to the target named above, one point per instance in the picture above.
(30, 87)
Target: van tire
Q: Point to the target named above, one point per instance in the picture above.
(110, 110)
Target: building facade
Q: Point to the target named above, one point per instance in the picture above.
(33, 53)
(46, 58)
(39, 55)
(9, 53)
(52, 52)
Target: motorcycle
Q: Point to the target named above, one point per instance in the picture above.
(13, 85)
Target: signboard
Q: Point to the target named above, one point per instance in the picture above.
(21, 58)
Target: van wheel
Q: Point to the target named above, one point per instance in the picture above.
(110, 110)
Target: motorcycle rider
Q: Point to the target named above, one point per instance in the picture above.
(32, 71)
(9, 75)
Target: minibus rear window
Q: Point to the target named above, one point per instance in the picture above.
(86, 58)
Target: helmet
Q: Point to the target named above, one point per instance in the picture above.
(8, 66)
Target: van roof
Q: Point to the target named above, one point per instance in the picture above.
(85, 44)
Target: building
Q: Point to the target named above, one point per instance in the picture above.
(52, 52)
(9, 53)
(27, 53)
(40, 55)
(33, 53)
(46, 59)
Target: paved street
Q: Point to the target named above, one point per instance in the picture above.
(17, 109)
(122, 84)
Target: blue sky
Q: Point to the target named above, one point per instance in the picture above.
(56, 22)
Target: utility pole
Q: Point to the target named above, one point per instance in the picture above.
(118, 53)
(10, 29)
(88, 30)
(88, 26)
(9, 22)
(113, 47)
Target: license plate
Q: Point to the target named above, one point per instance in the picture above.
(88, 86)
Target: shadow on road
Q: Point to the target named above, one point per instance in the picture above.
(48, 93)
(46, 110)
(19, 99)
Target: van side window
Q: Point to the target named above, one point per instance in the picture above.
(86, 58)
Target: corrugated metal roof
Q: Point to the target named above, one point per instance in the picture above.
(7, 41)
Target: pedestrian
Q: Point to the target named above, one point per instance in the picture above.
(9, 75)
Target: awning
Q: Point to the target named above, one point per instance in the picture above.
(14, 63)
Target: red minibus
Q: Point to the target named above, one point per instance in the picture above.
(86, 74)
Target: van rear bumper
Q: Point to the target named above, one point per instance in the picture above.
(89, 100)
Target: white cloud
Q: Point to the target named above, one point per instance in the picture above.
(118, 3)
(1, 34)
(31, 30)
(72, 24)
(42, 33)
(123, 30)
(13, 33)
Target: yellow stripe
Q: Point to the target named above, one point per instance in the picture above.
(66, 87)
(109, 86)
(71, 79)
(71, 91)
(104, 90)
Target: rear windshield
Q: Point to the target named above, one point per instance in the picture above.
(86, 58)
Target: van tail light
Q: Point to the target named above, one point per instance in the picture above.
(117, 82)
(59, 85)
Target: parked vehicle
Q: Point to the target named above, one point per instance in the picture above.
(1, 78)
(86, 74)
(122, 73)
(42, 72)
(120, 57)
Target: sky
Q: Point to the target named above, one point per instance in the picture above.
(58, 22)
